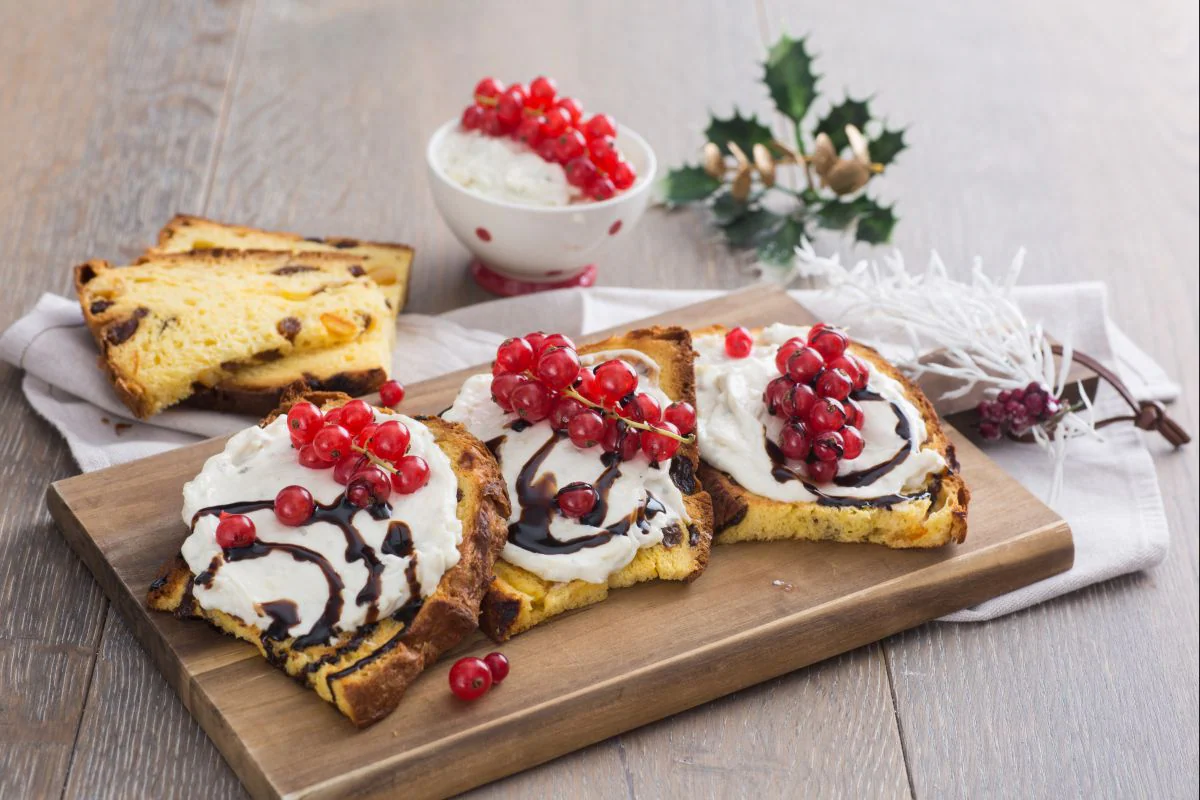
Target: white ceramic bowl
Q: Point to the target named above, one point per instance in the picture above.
(544, 246)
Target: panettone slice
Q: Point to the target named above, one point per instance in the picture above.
(932, 515)
(356, 367)
(365, 672)
(172, 325)
(518, 599)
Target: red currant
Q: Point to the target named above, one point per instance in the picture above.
(472, 118)
(412, 472)
(470, 678)
(348, 467)
(390, 440)
(332, 443)
(801, 400)
(532, 401)
(503, 387)
(600, 125)
(547, 150)
(580, 172)
(601, 189)
(586, 385)
(990, 431)
(585, 429)
(777, 396)
(294, 505)
(565, 408)
(649, 409)
(738, 343)
(834, 383)
(571, 106)
(568, 145)
(553, 340)
(369, 486)
(852, 442)
(510, 109)
(804, 364)
(854, 413)
(829, 342)
(308, 458)
(623, 175)
(682, 415)
(785, 352)
(794, 441)
(619, 438)
(356, 415)
(826, 414)
(363, 437)
(391, 394)
(333, 416)
(658, 446)
(577, 499)
(497, 663)
(558, 367)
(603, 152)
(845, 363)
(514, 355)
(554, 123)
(614, 380)
(303, 421)
(529, 132)
(491, 124)
(542, 92)
(234, 530)
(821, 471)
(488, 88)
(828, 446)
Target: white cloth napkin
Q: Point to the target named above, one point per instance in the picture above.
(1111, 497)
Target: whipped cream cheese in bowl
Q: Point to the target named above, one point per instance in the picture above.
(640, 504)
(735, 431)
(345, 568)
(527, 230)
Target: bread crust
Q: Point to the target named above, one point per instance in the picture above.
(941, 518)
(518, 600)
(366, 673)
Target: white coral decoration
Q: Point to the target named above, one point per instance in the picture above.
(978, 333)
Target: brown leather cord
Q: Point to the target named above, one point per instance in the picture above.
(1149, 415)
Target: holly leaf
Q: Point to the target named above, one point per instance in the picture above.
(839, 215)
(790, 78)
(687, 184)
(886, 146)
(752, 227)
(875, 224)
(745, 132)
(848, 112)
(780, 248)
(726, 209)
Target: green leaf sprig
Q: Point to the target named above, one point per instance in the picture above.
(738, 173)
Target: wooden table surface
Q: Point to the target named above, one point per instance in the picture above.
(1070, 128)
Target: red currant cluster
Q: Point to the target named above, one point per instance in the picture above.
(539, 377)
(1017, 410)
(812, 393)
(471, 677)
(553, 126)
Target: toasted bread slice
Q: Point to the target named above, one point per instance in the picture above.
(519, 599)
(365, 672)
(934, 516)
(356, 367)
(175, 323)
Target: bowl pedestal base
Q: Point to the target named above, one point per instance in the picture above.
(504, 285)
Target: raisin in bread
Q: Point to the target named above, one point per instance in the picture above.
(364, 672)
(520, 598)
(355, 368)
(926, 509)
(174, 324)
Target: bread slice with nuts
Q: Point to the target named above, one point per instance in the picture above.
(356, 367)
(519, 599)
(365, 672)
(930, 514)
(174, 324)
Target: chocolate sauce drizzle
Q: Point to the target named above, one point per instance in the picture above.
(340, 513)
(782, 473)
(535, 495)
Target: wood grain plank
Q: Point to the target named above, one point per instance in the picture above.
(108, 112)
(1096, 693)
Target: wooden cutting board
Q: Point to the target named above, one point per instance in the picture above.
(760, 610)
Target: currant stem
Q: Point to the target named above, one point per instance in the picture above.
(642, 426)
(374, 459)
